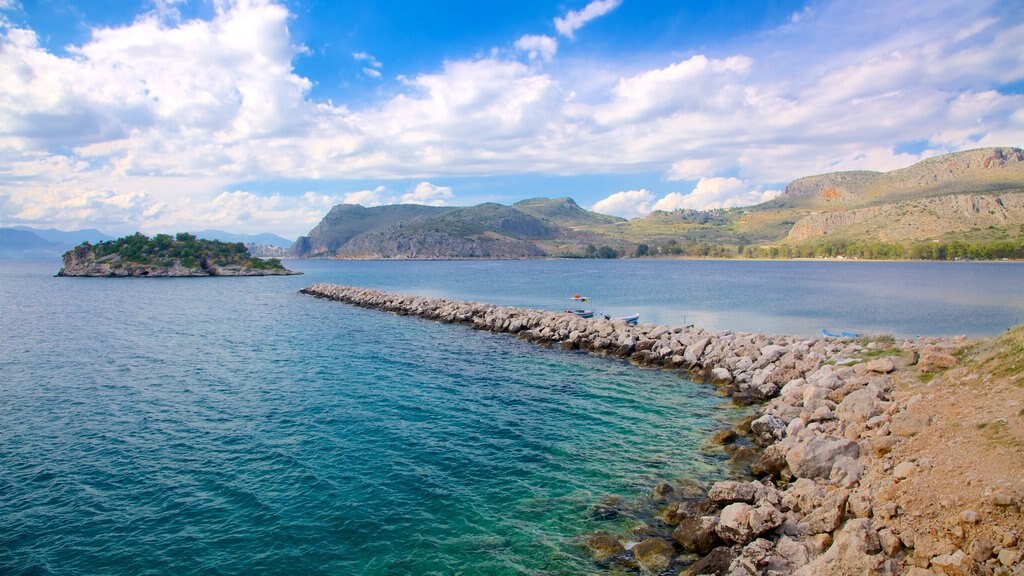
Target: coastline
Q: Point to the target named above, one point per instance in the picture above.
(839, 427)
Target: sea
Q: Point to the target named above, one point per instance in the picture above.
(221, 426)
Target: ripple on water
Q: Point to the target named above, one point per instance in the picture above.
(233, 427)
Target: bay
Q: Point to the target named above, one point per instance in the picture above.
(234, 426)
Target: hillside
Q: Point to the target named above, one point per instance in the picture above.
(165, 256)
(975, 196)
(532, 228)
(25, 243)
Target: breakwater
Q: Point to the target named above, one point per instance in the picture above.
(749, 367)
(839, 428)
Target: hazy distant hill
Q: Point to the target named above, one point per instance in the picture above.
(24, 245)
(263, 239)
(70, 238)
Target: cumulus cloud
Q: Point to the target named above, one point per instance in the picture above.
(576, 19)
(628, 204)
(536, 47)
(710, 193)
(125, 122)
(374, 197)
(429, 194)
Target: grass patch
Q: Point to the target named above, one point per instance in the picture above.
(879, 353)
(926, 377)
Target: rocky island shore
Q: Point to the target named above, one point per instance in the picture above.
(183, 255)
(866, 456)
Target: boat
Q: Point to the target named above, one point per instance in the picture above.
(581, 313)
(578, 298)
(631, 319)
(839, 334)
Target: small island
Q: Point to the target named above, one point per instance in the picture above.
(163, 255)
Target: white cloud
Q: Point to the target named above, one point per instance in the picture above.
(541, 48)
(710, 193)
(374, 197)
(371, 72)
(429, 194)
(157, 118)
(628, 204)
(576, 19)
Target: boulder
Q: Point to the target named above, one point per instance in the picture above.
(662, 490)
(741, 523)
(697, 534)
(767, 429)
(717, 562)
(654, 554)
(814, 459)
(858, 406)
(854, 551)
(956, 564)
(730, 491)
(846, 472)
(603, 547)
(721, 374)
(935, 358)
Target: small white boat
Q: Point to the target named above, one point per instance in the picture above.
(581, 313)
(631, 319)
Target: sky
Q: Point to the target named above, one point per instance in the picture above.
(259, 115)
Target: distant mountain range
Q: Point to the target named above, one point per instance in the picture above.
(971, 196)
(25, 243)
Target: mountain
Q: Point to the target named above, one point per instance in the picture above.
(16, 244)
(265, 238)
(971, 196)
(70, 238)
(531, 228)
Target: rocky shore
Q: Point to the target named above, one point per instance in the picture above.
(871, 456)
(82, 261)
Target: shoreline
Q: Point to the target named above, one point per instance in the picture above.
(841, 431)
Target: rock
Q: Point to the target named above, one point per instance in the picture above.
(935, 358)
(603, 547)
(697, 534)
(1002, 498)
(846, 472)
(858, 406)
(815, 458)
(753, 559)
(889, 542)
(767, 429)
(882, 445)
(853, 552)
(793, 552)
(1008, 556)
(907, 424)
(654, 554)
(829, 514)
(904, 470)
(729, 491)
(716, 562)
(981, 549)
(969, 517)
(724, 437)
(741, 523)
(662, 491)
(955, 564)
(721, 374)
(773, 460)
(880, 366)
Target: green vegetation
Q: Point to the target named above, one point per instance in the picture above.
(191, 252)
(855, 249)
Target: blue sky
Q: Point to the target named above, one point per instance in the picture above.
(254, 115)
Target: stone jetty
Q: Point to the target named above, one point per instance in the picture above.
(856, 469)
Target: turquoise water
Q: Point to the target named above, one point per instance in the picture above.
(233, 426)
